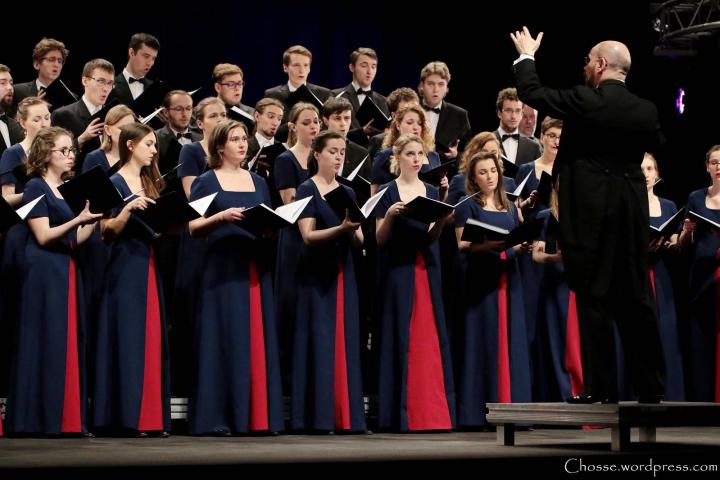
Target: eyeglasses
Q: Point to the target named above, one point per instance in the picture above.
(553, 136)
(714, 163)
(58, 60)
(181, 109)
(66, 151)
(233, 84)
(102, 82)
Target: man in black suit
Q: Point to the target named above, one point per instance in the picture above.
(49, 57)
(516, 148)
(604, 214)
(449, 123)
(336, 117)
(97, 81)
(10, 131)
(229, 84)
(296, 63)
(178, 108)
(363, 66)
(132, 81)
(268, 114)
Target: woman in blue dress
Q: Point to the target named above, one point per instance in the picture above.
(703, 369)
(108, 155)
(409, 119)
(290, 170)
(326, 379)
(32, 115)
(661, 210)
(495, 363)
(47, 391)
(192, 162)
(132, 388)
(236, 374)
(416, 389)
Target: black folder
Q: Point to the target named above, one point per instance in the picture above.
(57, 94)
(509, 168)
(262, 219)
(427, 210)
(9, 216)
(240, 115)
(435, 174)
(340, 201)
(168, 209)
(670, 227)
(544, 188)
(93, 185)
(703, 222)
(304, 94)
(477, 231)
(370, 111)
(357, 182)
(151, 99)
(267, 155)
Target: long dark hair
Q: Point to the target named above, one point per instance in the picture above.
(471, 186)
(150, 178)
(318, 145)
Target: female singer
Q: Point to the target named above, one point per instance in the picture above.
(416, 389)
(326, 380)
(410, 119)
(495, 365)
(237, 369)
(47, 392)
(661, 210)
(108, 155)
(132, 388)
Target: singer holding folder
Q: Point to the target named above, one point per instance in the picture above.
(327, 390)
(132, 383)
(236, 385)
(47, 391)
(494, 365)
(416, 389)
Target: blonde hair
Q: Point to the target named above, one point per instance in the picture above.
(293, 116)
(113, 116)
(397, 149)
(393, 132)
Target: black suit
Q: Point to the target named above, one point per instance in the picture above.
(282, 92)
(15, 132)
(25, 90)
(528, 150)
(453, 124)
(604, 220)
(354, 154)
(356, 133)
(122, 93)
(167, 157)
(76, 117)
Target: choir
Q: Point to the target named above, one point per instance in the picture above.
(243, 313)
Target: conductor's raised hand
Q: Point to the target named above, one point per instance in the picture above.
(525, 44)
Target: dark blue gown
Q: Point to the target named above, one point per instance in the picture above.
(479, 372)
(315, 403)
(12, 248)
(667, 314)
(222, 387)
(380, 171)
(397, 266)
(702, 375)
(288, 173)
(125, 356)
(38, 394)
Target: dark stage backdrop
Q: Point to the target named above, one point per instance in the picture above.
(472, 37)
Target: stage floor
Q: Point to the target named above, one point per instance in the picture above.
(552, 449)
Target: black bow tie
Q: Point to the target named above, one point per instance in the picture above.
(132, 80)
(41, 89)
(184, 135)
(428, 108)
(516, 136)
(367, 93)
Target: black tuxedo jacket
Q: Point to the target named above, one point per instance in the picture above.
(453, 124)
(15, 132)
(76, 117)
(121, 92)
(25, 90)
(602, 194)
(356, 133)
(355, 154)
(528, 151)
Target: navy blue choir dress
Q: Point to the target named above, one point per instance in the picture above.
(47, 390)
(416, 389)
(495, 363)
(531, 274)
(190, 261)
(667, 314)
(326, 376)
(236, 374)
(12, 251)
(558, 322)
(703, 379)
(132, 384)
(456, 187)
(288, 173)
(380, 172)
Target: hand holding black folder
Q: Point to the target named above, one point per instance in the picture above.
(93, 185)
(263, 161)
(342, 204)
(476, 231)
(370, 113)
(435, 175)
(669, 228)
(262, 219)
(427, 210)
(169, 209)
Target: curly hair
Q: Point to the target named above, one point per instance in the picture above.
(38, 156)
(394, 130)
